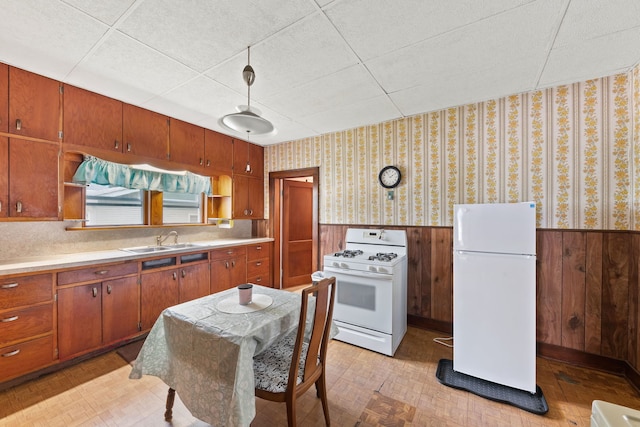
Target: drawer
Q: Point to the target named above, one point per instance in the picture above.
(259, 250)
(260, 279)
(27, 322)
(229, 252)
(97, 273)
(258, 266)
(20, 359)
(25, 290)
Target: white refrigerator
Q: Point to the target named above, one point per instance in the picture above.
(494, 293)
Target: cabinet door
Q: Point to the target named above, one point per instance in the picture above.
(220, 275)
(158, 290)
(186, 143)
(119, 309)
(218, 152)
(245, 153)
(240, 197)
(194, 281)
(79, 319)
(256, 197)
(33, 165)
(238, 271)
(145, 132)
(92, 120)
(4, 177)
(4, 98)
(34, 105)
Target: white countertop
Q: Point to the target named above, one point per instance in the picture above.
(61, 261)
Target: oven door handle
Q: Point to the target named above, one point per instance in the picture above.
(356, 273)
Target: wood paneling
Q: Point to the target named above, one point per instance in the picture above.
(593, 293)
(634, 306)
(615, 294)
(442, 274)
(573, 289)
(419, 271)
(549, 287)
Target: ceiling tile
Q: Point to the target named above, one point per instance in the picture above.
(344, 87)
(105, 11)
(297, 55)
(377, 27)
(591, 19)
(47, 37)
(127, 70)
(203, 33)
(592, 58)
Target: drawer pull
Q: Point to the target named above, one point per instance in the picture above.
(258, 279)
(102, 272)
(258, 264)
(9, 319)
(9, 285)
(258, 248)
(11, 353)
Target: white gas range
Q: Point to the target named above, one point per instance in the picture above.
(371, 288)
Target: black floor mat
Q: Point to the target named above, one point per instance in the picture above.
(535, 403)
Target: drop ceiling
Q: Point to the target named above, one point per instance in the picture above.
(321, 66)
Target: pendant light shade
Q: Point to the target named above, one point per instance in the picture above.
(246, 120)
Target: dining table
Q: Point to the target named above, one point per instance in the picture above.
(204, 350)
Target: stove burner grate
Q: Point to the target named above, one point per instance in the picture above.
(348, 253)
(382, 256)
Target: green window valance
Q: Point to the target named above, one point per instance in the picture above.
(142, 177)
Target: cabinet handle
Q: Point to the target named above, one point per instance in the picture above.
(109, 289)
(19, 207)
(95, 292)
(208, 162)
(9, 285)
(175, 275)
(258, 248)
(246, 212)
(258, 279)
(258, 264)
(9, 319)
(101, 272)
(18, 124)
(233, 263)
(184, 274)
(11, 353)
(128, 147)
(0, 206)
(250, 211)
(226, 264)
(116, 144)
(201, 161)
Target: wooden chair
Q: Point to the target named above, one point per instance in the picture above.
(286, 370)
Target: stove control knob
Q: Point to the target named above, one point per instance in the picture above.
(382, 270)
(344, 265)
(336, 264)
(373, 268)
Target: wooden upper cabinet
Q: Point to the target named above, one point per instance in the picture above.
(33, 165)
(218, 152)
(4, 176)
(246, 153)
(92, 120)
(4, 98)
(145, 133)
(186, 143)
(248, 197)
(35, 105)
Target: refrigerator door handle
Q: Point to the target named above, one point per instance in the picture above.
(459, 252)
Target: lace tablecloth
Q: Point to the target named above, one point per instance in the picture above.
(206, 355)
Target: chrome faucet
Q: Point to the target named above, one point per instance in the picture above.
(160, 239)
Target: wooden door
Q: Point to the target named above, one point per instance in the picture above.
(92, 120)
(120, 309)
(158, 290)
(33, 179)
(145, 132)
(34, 105)
(4, 98)
(297, 230)
(79, 319)
(4, 177)
(218, 152)
(186, 143)
(194, 281)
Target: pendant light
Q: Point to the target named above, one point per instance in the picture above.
(246, 120)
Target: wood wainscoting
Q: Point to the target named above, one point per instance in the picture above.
(588, 290)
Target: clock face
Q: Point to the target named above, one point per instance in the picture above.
(389, 177)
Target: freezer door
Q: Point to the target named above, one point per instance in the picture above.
(495, 227)
(494, 318)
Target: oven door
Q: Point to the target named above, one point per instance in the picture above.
(363, 298)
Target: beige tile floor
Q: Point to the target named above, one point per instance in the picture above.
(98, 392)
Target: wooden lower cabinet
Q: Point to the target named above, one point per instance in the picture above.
(25, 357)
(194, 281)
(158, 290)
(228, 268)
(97, 314)
(259, 264)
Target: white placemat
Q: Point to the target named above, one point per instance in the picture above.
(231, 304)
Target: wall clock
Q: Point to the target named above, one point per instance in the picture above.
(389, 177)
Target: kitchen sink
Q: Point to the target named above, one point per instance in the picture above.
(156, 248)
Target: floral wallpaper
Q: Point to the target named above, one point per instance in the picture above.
(573, 149)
